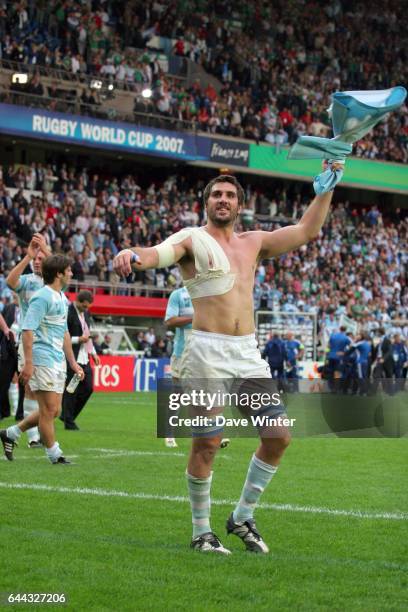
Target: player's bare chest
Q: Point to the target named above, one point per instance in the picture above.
(241, 257)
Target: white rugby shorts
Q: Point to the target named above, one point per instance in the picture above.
(48, 379)
(208, 355)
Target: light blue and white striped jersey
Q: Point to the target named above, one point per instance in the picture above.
(27, 286)
(179, 305)
(47, 318)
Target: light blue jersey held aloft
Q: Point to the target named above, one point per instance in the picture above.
(179, 305)
(47, 318)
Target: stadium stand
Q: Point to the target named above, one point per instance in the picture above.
(274, 89)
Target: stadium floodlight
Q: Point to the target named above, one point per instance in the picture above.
(95, 84)
(19, 77)
(147, 92)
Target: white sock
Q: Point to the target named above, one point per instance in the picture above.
(30, 405)
(13, 432)
(199, 492)
(54, 452)
(258, 477)
(13, 397)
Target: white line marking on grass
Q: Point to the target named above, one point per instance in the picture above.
(103, 456)
(41, 457)
(109, 455)
(124, 451)
(362, 514)
(112, 453)
(118, 452)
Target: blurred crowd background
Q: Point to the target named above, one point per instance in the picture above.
(356, 267)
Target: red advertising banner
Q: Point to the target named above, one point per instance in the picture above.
(115, 373)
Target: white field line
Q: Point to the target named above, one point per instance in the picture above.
(120, 452)
(361, 514)
(117, 452)
(107, 455)
(38, 457)
(112, 453)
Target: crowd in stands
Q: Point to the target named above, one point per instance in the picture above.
(277, 62)
(356, 267)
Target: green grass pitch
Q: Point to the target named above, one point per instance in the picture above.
(113, 530)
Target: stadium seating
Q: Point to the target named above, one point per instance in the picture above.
(274, 89)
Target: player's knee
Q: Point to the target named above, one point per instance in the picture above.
(206, 448)
(50, 411)
(275, 447)
(284, 441)
(281, 442)
(56, 413)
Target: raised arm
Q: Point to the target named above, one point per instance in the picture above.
(292, 237)
(13, 278)
(37, 244)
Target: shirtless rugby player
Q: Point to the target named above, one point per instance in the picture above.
(218, 267)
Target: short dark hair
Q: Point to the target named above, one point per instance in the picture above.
(85, 296)
(224, 178)
(53, 265)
